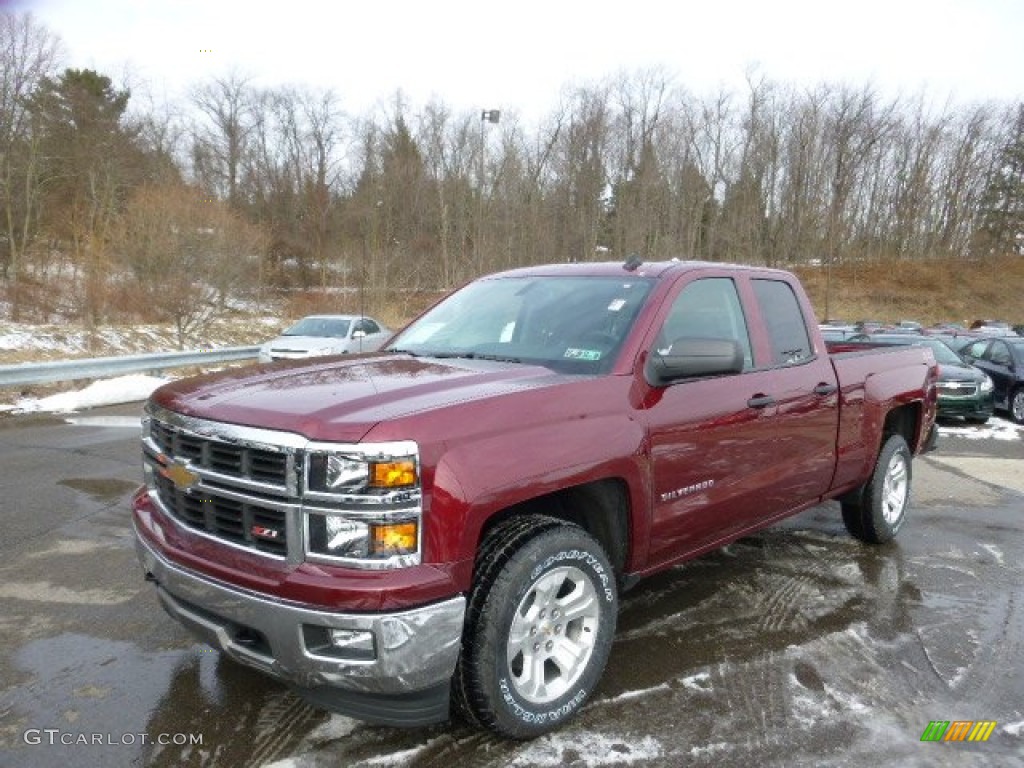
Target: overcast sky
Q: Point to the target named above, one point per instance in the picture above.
(518, 55)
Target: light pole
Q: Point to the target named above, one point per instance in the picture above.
(486, 116)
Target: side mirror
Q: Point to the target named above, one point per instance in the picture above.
(690, 358)
(358, 334)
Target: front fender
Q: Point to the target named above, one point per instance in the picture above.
(478, 479)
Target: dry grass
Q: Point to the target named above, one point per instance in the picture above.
(929, 292)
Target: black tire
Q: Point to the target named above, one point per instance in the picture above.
(1017, 405)
(528, 572)
(877, 511)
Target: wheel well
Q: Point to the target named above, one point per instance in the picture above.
(601, 508)
(903, 421)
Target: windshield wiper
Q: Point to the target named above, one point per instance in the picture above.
(495, 358)
(474, 356)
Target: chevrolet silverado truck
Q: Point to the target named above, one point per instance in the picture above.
(447, 525)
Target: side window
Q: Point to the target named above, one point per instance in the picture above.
(999, 354)
(977, 349)
(786, 327)
(369, 326)
(707, 309)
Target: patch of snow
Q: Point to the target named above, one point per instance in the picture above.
(995, 429)
(336, 727)
(118, 422)
(122, 389)
(590, 748)
(402, 757)
(709, 750)
(993, 550)
(699, 682)
(1014, 729)
(627, 695)
(847, 701)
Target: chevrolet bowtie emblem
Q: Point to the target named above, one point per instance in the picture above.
(179, 474)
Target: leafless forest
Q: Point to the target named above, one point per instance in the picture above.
(115, 208)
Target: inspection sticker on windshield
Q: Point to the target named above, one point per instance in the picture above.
(616, 305)
(582, 354)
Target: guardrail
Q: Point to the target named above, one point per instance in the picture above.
(102, 367)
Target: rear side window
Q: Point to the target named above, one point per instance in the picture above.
(999, 354)
(786, 327)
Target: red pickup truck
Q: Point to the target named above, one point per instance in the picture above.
(449, 522)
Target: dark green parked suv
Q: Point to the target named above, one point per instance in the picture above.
(963, 389)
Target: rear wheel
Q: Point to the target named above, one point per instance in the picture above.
(877, 511)
(539, 627)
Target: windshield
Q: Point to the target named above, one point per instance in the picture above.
(943, 354)
(319, 326)
(572, 324)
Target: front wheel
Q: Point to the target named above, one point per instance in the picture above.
(1017, 405)
(877, 511)
(539, 628)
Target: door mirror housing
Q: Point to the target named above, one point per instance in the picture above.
(690, 358)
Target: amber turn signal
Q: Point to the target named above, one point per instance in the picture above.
(393, 474)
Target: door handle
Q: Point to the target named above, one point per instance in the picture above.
(825, 389)
(760, 401)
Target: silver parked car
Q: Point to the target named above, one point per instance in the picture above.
(318, 335)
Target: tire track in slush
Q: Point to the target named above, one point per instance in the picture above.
(282, 722)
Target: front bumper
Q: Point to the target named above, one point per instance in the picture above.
(979, 407)
(403, 680)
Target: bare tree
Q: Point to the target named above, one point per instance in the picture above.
(228, 106)
(186, 255)
(28, 53)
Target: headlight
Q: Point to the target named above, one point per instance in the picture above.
(986, 384)
(339, 473)
(366, 542)
(363, 504)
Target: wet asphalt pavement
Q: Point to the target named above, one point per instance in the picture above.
(797, 646)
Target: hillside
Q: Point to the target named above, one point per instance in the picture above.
(926, 291)
(929, 292)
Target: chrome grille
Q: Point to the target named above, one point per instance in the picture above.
(958, 389)
(239, 460)
(226, 519)
(242, 490)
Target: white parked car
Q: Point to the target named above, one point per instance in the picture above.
(318, 335)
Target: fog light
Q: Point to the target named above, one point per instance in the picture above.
(396, 633)
(395, 538)
(358, 642)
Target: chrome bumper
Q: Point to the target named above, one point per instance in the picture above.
(413, 650)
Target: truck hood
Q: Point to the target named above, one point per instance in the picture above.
(341, 400)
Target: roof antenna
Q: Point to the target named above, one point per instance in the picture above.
(632, 263)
